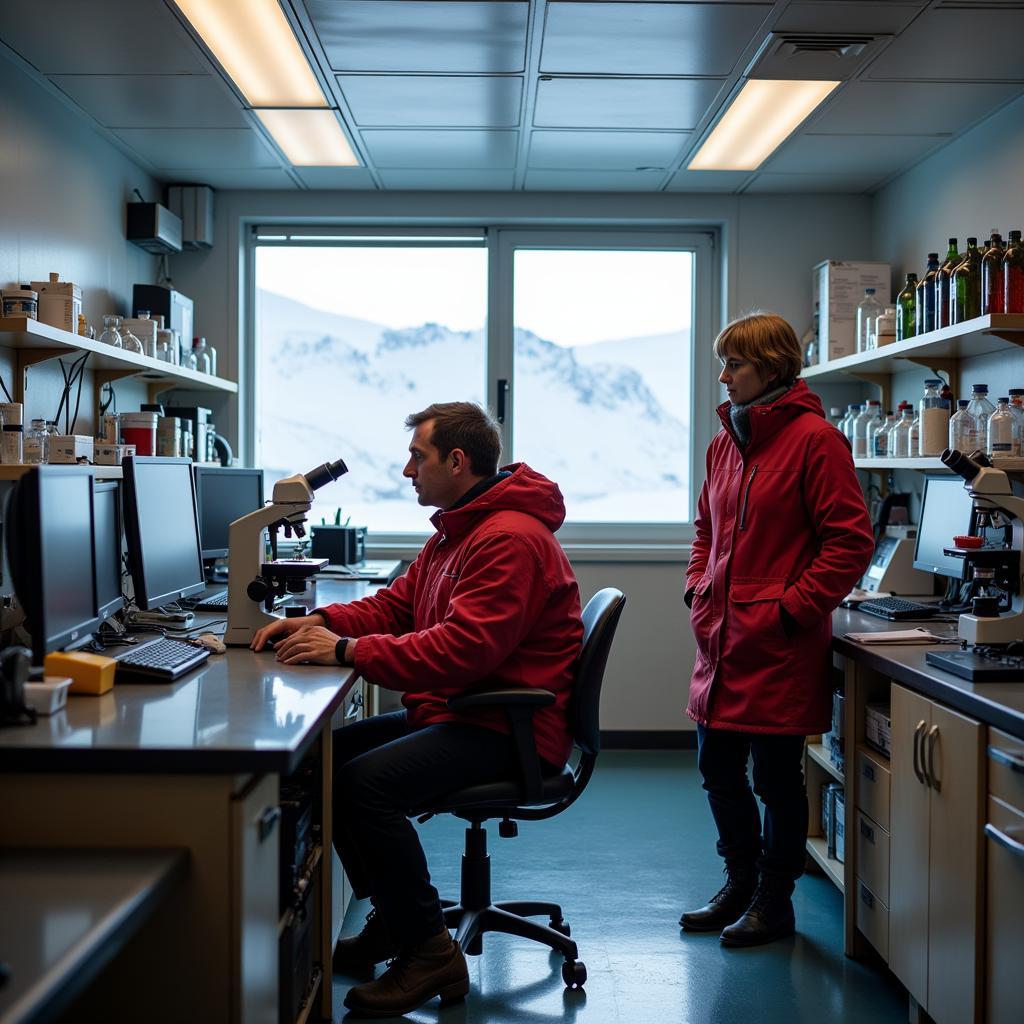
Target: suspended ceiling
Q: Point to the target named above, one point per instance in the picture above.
(544, 95)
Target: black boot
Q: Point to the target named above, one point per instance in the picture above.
(373, 945)
(769, 916)
(726, 905)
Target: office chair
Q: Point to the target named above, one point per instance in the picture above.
(532, 797)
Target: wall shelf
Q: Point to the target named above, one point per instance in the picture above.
(100, 472)
(929, 465)
(818, 849)
(817, 753)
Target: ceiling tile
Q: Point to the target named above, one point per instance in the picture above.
(922, 108)
(851, 154)
(433, 35)
(955, 44)
(800, 184)
(170, 148)
(335, 177)
(594, 181)
(154, 101)
(604, 151)
(434, 101)
(237, 177)
(708, 181)
(460, 180)
(435, 149)
(866, 18)
(702, 39)
(101, 37)
(623, 102)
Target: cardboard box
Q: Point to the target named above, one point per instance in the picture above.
(60, 303)
(144, 330)
(106, 454)
(839, 822)
(838, 287)
(67, 449)
(878, 728)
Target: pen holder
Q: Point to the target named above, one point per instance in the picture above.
(340, 545)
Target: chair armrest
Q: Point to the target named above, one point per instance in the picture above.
(517, 696)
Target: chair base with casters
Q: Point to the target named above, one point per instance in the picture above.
(531, 797)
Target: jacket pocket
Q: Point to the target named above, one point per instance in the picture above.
(754, 608)
(702, 613)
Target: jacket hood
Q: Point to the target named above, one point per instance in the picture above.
(767, 420)
(525, 491)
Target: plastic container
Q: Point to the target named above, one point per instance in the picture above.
(980, 408)
(47, 695)
(869, 418)
(963, 429)
(1001, 430)
(869, 309)
(139, 429)
(934, 416)
(21, 302)
(168, 437)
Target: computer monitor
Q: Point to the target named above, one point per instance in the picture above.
(48, 535)
(945, 514)
(161, 530)
(224, 494)
(106, 537)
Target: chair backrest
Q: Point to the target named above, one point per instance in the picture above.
(600, 618)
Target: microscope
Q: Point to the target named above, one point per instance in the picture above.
(252, 581)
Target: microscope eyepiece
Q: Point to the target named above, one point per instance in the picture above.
(324, 474)
(960, 463)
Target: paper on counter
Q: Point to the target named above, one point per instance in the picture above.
(897, 636)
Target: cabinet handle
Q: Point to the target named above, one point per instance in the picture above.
(1013, 761)
(267, 822)
(1004, 840)
(918, 733)
(933, 779)
(867, 831)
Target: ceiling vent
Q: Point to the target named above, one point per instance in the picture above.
(815, 55)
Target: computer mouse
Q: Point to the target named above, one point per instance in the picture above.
(212, 643)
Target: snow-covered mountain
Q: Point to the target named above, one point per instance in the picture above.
(336, 387)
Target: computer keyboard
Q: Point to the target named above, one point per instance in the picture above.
(161, 661)
(896, 608)
(212, 603)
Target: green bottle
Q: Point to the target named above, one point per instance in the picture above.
(942, 282)
(965, 288)
(906, 309)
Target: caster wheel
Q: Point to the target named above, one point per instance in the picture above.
(574, 974)
(562, 926)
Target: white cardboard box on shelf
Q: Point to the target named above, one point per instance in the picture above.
(838, 287)
(60, 302)
(67, 449)
(107, 454)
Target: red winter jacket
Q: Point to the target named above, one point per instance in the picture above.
(781, 523)
(491, 600)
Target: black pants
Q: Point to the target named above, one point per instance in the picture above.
(722, 755)
(384, 770)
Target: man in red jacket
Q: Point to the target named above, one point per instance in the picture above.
(491, 600)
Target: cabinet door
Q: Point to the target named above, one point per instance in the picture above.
(954, 759)
(908, 874)
(1005, 952)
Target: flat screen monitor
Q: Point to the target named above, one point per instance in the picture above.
(161, 530)
(945, 514)
(224, 494)
(106, 536)
(48, 535)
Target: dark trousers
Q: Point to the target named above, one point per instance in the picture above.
(383, 771)
(779, 849)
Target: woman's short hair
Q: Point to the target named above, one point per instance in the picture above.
(767, 341)
(462, 425)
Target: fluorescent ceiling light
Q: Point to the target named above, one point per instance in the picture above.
(764, 113)
(258, 49)
(309, 138)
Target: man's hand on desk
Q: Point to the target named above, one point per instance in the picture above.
(283, 628)
(314, 645)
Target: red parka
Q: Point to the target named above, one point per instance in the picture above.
(779, 523)
(491, 600)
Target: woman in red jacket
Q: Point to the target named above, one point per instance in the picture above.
(781, 536)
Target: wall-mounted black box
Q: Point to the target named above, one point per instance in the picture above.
(340, 545)
(154, 228)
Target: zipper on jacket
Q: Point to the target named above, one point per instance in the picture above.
(746, 495)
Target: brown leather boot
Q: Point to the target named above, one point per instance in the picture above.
(726, 905)
(769, 916)
(373, 945)
(433, 968)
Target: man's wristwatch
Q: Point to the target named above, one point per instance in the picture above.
(339, 650)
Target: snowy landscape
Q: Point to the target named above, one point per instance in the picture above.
(608, 421)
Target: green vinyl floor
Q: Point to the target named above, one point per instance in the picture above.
(624, 861)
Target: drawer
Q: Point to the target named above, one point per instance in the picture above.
(872, 856)
(873, 786)
(1006, 768)
(1005, 938)
(873, 919)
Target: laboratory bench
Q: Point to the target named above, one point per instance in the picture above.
(198, 765)
(932, 860)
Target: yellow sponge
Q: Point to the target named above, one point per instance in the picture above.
(90, 673)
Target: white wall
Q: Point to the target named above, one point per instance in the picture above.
(62, 193)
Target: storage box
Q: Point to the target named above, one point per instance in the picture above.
(48, 695)
(340, 545)
(144, 330)
(67, 449)
(60, 303)
(838, 287)
(91, 673)
(878, 728)
(839, 822)
(105, 454)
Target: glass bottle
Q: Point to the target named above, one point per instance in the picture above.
(869, 417)
(835, 416)
(946, 394)
(965, 288)
(130, 343)
(900, 439)
(809, 342)
(1017, 408)
(188, 357)
(878, 436)
(1013, 275)
(992, 276)
(906, 303)
(980, 408)
(1001, 428)
(36, 449)
(890, 441)
(202, 354)
(963, 430)
(852, 412)
(166, 347)
(213, 359)
(942, 283)
(868, 309)
(925, 310)
(933, 417)
(111, 335)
